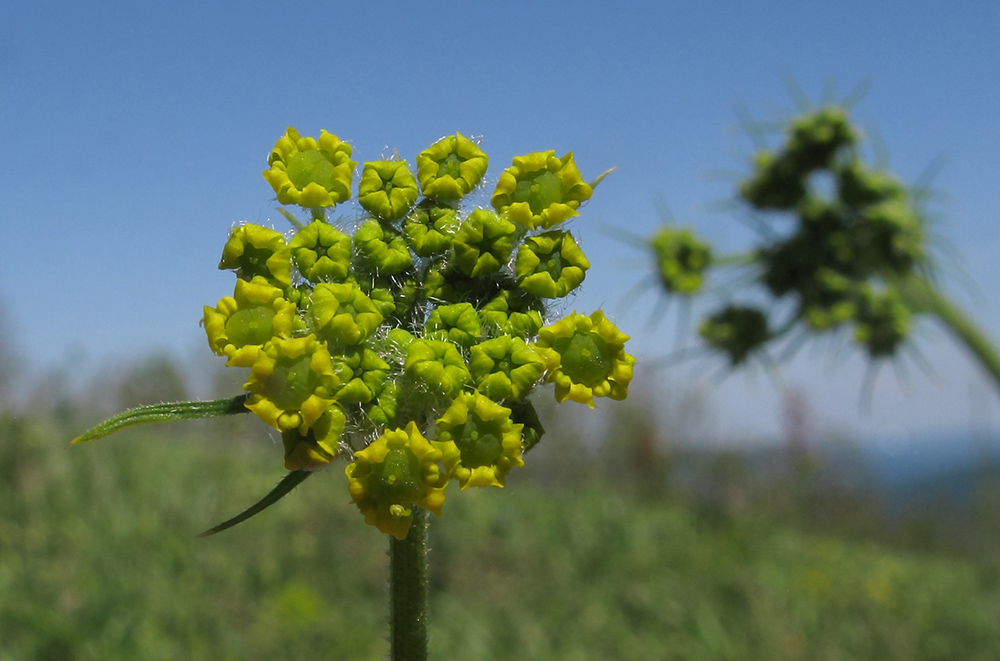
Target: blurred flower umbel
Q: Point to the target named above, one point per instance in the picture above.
(407, 337)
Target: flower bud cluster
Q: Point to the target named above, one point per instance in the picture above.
(856, 234)
(408, 340)
(849, 245)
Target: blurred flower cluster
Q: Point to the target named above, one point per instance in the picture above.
(838, 245)
(407, 338)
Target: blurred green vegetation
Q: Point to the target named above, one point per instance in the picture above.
(590, 552)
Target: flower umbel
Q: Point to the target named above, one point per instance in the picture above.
(416, 318)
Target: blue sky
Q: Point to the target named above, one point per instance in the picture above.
(134, 135)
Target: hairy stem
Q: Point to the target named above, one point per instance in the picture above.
(408, 591)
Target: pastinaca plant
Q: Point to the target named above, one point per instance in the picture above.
(405, 340)
(843, 245)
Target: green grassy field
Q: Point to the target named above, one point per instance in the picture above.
(98, 561)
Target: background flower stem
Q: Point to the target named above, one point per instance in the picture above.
(924, 296)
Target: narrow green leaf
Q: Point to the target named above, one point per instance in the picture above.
(289, 482)
(144, 415)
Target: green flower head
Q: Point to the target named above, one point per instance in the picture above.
(394, 473)
(292, 383)
(777, 182)
(505, 368)
(429, 229)
(816, 138)
(387, 189)
(585, 358)
(456, 323)
(512, 312)
(395, 297)
(550, 265)
(540, 190)
(318, 446)
(343, 314)
(362, 372)
(883, 322)
(309, 172)
(478, 441)
(438, 365)
(483, 243)
(381, 249)
(382, 411)
(681, 260)
(321, 252)
(451, 167)
(736, 331)
(240, 325)
(253, 250)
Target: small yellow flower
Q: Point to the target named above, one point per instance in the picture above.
(343, 314)
(585, 358)
(451, 167)
(240, 325)
(478, 441)
(292, 382)
(253, 250)
(394, 473)
(309, 172)
(387, 189)
(540, 190)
